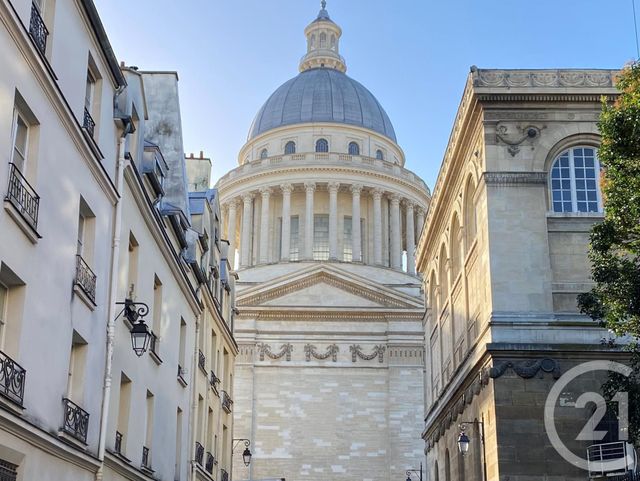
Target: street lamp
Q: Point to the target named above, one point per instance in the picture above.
(409, 471)
(464, 443)
(246, 454)
(134, 312)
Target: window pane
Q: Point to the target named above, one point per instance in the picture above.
(347, 251)
(3, 303)
(321, 237)
(20, 143)
(294, 252)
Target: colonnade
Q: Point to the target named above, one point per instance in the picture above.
(399, 206)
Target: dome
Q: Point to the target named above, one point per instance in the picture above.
(322, 95)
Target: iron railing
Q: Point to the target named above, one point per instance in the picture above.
(199, 453)
(118, 444)
(12, 378)
(76, 420)
(145, 457)
(624, 477)
(88, 123)
(227, 402)
(23, 197)
(214, 381)
(38, 30)
(85, 278)
(202, 361)
(224, 476)
(209, 464)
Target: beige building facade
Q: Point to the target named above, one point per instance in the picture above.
(329, 376)
(503, 255)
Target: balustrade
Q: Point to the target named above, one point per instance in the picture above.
(85, 278)
(38, 30)
(12, 379)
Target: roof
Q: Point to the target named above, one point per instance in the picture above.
(322, 95)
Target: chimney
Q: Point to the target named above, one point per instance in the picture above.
(202, 154)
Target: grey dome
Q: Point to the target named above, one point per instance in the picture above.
(322, 95)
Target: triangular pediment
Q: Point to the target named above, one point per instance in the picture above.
(325, 286)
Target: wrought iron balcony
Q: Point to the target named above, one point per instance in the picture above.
(38, 30)
(199, 453)
(201, 361)
(227, 402)
(23, 197)
(214, 381)
(209, 465)
(145, 457)
(224, 476)
(88, 123)
(76, 420)
(12, 378)
(118, 444)
(85, 278)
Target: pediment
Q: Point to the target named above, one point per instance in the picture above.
(327, 287)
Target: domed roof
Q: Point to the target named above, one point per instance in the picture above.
(322, 95)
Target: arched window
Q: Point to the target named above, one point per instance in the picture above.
(264, 153)
(312, 42)
(323, 40)
(290, 148)
(379, 154)
(455, 249)
(574, 181)
(444, 279)
(470, 221)
(333, 42)
(436, 472)
(322, 145)
(354, 148)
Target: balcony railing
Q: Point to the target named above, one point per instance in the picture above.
(145, 457)
(209, 465)
(76, 420)
(38, 30)
(85, 278)
(227, 402)
(199, 453)
(88, 123)
(201, 361)
(23, 197)
(224, 476)
(214, 381)
(12, 378)
(118, 444)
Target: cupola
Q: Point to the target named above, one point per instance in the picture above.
(323, 43)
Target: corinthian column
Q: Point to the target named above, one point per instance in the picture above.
(264, 226)
(333, 220)
(356, 235)
(411, 238)
(285, 255)
(245, 237)
(421, 214)
(232, 217)
(396, 238)
(310, 188)
(377, 226)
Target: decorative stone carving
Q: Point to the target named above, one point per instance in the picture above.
(526, 369)
(286, 188)
(529, 133)
(356, 352)
(285, 350)
(514, 178)
(544, 78)
(331, 352)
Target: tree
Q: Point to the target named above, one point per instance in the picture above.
(615, 243)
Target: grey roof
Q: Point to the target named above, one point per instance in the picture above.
(322, 95)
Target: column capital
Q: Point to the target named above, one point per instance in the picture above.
(377, 193)
(408, 204)
(247, 197)
(286, 188)
(265, 191)
(356, 189)
(232, 203)
(395, 198)
(310, 186)
(421, 210)
(333, 187)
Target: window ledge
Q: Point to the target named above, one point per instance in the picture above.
(26, 228)
(70, 440)
(182, 381)
(578, 215)
(78, 291)
(155, 357)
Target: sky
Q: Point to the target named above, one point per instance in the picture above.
(413, 55)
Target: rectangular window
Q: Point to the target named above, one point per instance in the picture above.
(294, 251)
(81, 226)
(8, 471)
(177, 470)
(157, 305)
(20, 141)
(4, 295)
(149, 431)
(77, 362)
(89, 91)
(183, 341)
(321, 237)
(347, 251)
(124, 404)
(132, 273)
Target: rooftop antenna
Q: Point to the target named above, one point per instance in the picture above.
(635, 24)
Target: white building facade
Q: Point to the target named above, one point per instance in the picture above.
(329, 376)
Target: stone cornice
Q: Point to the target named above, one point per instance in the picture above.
(515, 179)
(547, 79)
(328, 315)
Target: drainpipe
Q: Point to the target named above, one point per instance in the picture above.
(194, 390)
(113, 288)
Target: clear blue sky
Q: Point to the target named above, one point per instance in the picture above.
(414, 55)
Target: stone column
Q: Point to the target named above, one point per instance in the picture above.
(377, 226)
(286, 221)
(421, 215)
(333, 220)
(396, 235)
(411, 238)
(245, 236)
(356, 235)
(310, 188)
(264, 226)
(232, 217)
